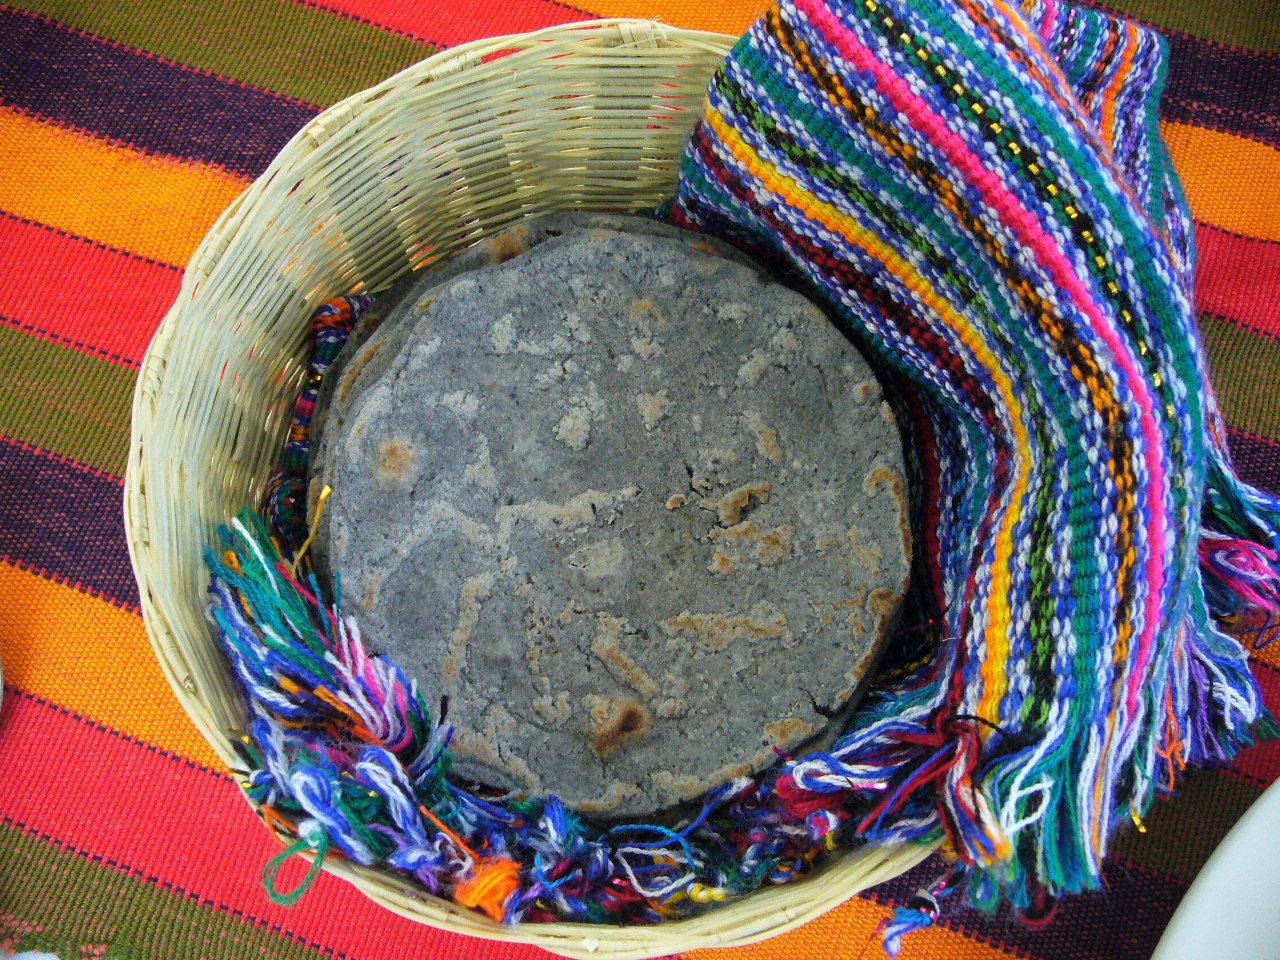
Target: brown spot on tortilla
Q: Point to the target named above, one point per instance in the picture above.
(352, 371)
(787, 730)
(774, 545)
(721, 563)
(766, 438)
(507, 246)
(620, 665)
(616, 793)
(395, 458)
(769, 546)
(733, 504)
(882, 602)
(624, 720)
(865, 391)
(883, 476)
(718, 630)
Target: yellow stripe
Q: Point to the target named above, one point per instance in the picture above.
(1122, 74)
(722, 16)
(997, 631)
(1231, 182)
(92, 658)
(152, 206)
(852, 931)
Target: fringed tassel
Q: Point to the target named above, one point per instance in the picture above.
(1239, 546)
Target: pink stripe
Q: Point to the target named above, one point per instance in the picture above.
(1015, 216)
(1046, 22)
(1238, 278)
(80, 292)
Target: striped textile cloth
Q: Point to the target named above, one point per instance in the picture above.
(125, 128)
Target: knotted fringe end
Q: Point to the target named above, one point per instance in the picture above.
(342, 758)
(981, 197)
(920, 912)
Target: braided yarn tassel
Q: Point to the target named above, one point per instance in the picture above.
(980, 195)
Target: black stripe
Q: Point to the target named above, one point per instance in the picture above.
(65, 522)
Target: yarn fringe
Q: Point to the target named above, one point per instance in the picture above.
(1239, 546)
(342, 755)
(920, 912)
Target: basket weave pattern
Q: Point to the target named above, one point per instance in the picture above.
(586, 116)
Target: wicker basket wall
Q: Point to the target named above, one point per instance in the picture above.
(587, 116)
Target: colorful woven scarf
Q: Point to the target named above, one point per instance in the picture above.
(979, 193)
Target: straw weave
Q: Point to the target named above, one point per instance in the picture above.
(587, 116)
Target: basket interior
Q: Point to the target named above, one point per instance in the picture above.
(452, 150)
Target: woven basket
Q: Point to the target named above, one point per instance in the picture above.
(587, 116)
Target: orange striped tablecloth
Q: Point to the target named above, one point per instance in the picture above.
(125, 129)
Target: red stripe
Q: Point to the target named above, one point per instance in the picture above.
(1262, 760)
(181, 826)
(70, 289)
(450, 22)
(1238, 278)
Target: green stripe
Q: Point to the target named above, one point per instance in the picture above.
(64, 400)
(1252, 24)
(1245, 369)
(1184, 829)
(278, 45)
(59, 902)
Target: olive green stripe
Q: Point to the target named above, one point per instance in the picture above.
(1183, 830)
(56, 901)
(65, 401)
(1252, 24)
(1244, 368)
(296, 50)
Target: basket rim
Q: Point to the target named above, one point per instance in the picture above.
(826, 889)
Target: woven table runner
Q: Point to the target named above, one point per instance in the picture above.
(126, 127)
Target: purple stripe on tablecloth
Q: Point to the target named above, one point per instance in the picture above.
(1123, 921)
(126, 95)
(1257, 459)
(65, 522)
(1231, 91)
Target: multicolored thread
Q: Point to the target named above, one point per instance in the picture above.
(286, 495)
